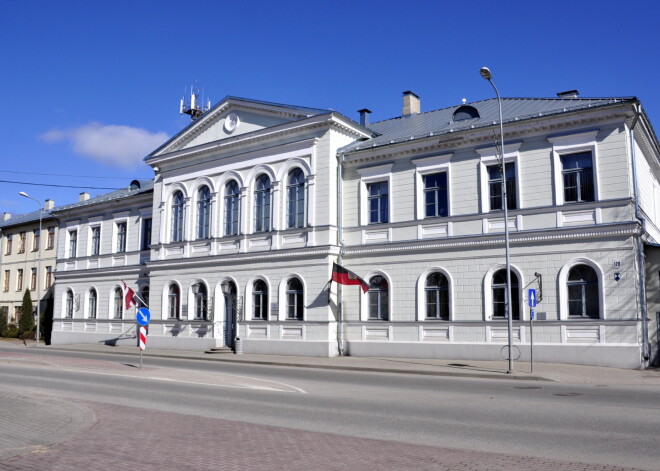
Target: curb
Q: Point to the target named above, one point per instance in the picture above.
(366, 369)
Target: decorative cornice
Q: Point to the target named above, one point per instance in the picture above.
(491, 240)
(241, 258)
(330, 120)
(481, 136)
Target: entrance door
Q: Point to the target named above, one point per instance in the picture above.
(230, 314)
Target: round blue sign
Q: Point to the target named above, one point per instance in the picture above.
(143, 316)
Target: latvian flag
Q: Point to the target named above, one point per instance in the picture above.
(129, 296)
(346, 277)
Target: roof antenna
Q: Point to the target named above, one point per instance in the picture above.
(193, 108)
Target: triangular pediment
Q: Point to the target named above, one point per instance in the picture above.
(233, 117)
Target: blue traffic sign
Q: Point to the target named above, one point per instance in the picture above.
(532, 298)
(143, 316)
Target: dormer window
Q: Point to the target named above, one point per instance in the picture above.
(465, 112)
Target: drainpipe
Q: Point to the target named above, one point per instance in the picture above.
(639, 243)
(342, 249)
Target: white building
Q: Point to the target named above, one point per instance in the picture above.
(254, 201)
(102, 241)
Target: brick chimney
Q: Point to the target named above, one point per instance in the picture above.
(411, 104)
(6, 216)
(49, 204)
(84, 196)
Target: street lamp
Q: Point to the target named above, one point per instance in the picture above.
(22, 193)
(486, 74)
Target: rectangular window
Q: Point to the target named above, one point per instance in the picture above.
(19, 280)
(49, 277)
(121, 237)
(495, 187)
(378, 202)
(5, 283)
(21, 242)
(35, 240)
(435, 195)
(578, 175)
(146, 234)
(33, 279)
(51, 238)
(73, 243)
(8, 246)
(96, 240)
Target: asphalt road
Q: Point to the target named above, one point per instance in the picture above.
(615, 425)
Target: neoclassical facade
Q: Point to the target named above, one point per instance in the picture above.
(254, 201)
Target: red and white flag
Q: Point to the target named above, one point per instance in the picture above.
(129, 296)
(346, 277)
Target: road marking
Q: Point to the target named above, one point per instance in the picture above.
(237, 385)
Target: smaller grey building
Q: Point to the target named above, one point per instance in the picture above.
(102, 242)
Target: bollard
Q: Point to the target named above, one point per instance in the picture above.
(238, 346)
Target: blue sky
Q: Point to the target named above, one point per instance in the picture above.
(90, 87)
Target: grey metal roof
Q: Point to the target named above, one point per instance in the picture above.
(26, 218)
(431, 123)
(146, 186)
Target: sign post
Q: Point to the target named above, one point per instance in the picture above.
(532, 305)
(143, 317)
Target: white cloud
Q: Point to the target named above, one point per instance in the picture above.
(113, 145)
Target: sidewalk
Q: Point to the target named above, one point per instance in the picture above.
(563, 373)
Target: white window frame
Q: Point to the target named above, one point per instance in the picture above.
(111, 310)
(284, 299)
(421, 295)
(488, 293)
(364, 298)
(90, 244)
(488, 157)
(166, 302)
(584, 141)
(429, 166)
(118, 218)
(562, 279)
(380, 173)
(248, 313)
(68, 242)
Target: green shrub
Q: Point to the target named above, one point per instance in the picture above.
(3, 323)
(26, 322)
(11, 332)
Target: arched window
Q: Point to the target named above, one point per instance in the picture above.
(437, 296)
(583, 296)
(231, 208)
(177, 217)
(118, 305)
(201, 301)
(378, 298)
(295, 190)
(204, 213)
(91, 307)
(262, 204)
(294, 299)
(173, 301)
(69, 304)
(260, 300)
(499, 295)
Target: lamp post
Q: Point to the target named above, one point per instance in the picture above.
(22, 193)
(486, 74)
